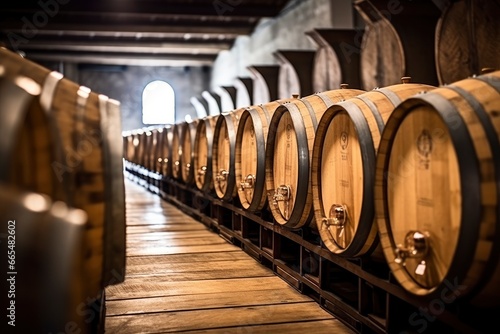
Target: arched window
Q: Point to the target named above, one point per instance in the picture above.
(158, 103)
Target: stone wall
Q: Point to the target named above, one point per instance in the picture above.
(127, 85)
(286, 32)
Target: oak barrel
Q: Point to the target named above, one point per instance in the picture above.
(382, 53)
(153, 149)
(288, 152)
(150, 140)
(250, 158)
(145, 142)
(88, 162)
(164, 151)
(465, 39)
(343, 161)
(437, 189)
(139, 140)
(202, 159)
(46, 277)
(128, 147)
(223, 153)
(188, 134)
(176, 150)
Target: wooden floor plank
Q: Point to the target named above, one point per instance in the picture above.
(135, 288)
(199, 241)
(236, 255)
(208, 275)
(169, 322)
(166, 235)
(180, 250)
(203, 301)
(162, 269)
(166, 228)
(316, 327)
(160, 219)
(182, 277)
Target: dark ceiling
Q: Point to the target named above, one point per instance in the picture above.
(130, 32)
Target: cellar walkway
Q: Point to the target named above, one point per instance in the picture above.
(182, 277)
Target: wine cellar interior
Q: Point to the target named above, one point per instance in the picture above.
(250, 166)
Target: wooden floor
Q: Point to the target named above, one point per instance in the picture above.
(182, 277)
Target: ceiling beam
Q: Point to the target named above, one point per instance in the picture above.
(114, 17)
(125, 29)
(119, 47)
(123, 59)
(204, 8)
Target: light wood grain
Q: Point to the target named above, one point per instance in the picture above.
(464, 39)
(176, 150)
(284, 157)
(319, 327)
(188, 132)
(203, 153)
(194, 280)
(205, 301)
(223, 152)
(61, 154)
(346, 145)
(216, 318)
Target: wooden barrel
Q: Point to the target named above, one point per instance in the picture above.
(142, 147)
(250, 158)
(333, 64)
(30, 145)
(147, 160)
(223, 153)
(144, 142)
(188, 134)
(156, 134)
(176, 150)
(288, 153)
(343, 161)
(88, 161)
(164, 152)
(138, 141)
(382, 53)
(399, 40)
(202, 159)
(156, 164)
(464, 36)
(153, 150)
(437, 189)
(127, 145)
(48, 238)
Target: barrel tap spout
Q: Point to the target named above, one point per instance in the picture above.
(416, 246)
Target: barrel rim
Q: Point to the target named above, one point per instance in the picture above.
(259, 187)
(302, 190)
(191, 130)
(209, 133)
(229, 193)
(367, 213)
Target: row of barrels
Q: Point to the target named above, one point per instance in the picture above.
(61, 184)
(407, 169)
